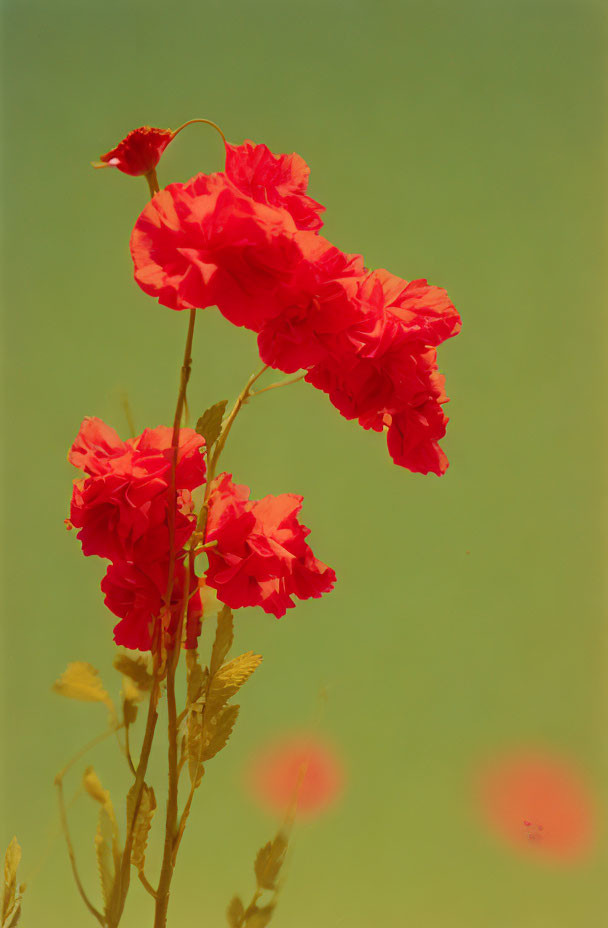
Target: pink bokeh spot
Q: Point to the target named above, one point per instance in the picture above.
(540, 802)
(301, 766)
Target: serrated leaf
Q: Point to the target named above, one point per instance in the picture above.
(96, 791)
(224, 637)
(143, 823)
(194, 746)
(235, 913)
(103, 852)
(229, 679)
(12, 859)
(269, 861)
(81, 681)
(195, 675)
(217, 730)
(136, 668)
(260, 917)
(94, 788)
(210, 423)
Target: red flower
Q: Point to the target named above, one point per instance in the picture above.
(539, 803)
(121, 509)
(139, 152)
(136, 594)
(279, 180)
(205, 243)
(261, 557)
(302, 770)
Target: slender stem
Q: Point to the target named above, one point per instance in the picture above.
(128, 751)
(280, 383)
(152, 182)
(84, 750)
(146, 884)
(121, 887)
(240, 401)
(166, 873)
(207, 122)
(68, 840)
(184, 378)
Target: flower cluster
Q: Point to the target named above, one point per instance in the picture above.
(247, 241)
(122, 511)
(257, 551)
(260, 556)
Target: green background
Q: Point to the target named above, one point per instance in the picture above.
(458, 141)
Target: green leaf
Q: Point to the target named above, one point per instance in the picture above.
(194, 745)
(269, 861)
(210, 423)
(12, 859)
(143, 823)
(217, 730)
(105, 859)
(196, 676)
(81, 681)
(229, 679)
(259, 918)
(224, 637)
(136, 668)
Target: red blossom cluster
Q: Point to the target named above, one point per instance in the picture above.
(259, 555)
(247, 241)
(122, 511)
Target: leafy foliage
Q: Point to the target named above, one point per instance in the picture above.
(81, 681)
(143, 823)
(136, 668)
(210, 423)
(11, 896)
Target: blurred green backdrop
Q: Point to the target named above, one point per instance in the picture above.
(459, 141)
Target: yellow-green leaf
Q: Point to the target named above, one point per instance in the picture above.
(194, 745)
(136, 668)
(12, 860)
(235, 913)
(269, 861)
(105, 859)
(143, 822)
(81, 681)
(195, 675)
(224, 637)
(260, 917)
(217, 730)
(210, 423)
(92, 784)
(229, 679)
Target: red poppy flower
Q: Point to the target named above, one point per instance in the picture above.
(302, 770)
(261, 557)
(139, 152)
(539, 803)
(205, 243)
(136, 594)
(279, 180)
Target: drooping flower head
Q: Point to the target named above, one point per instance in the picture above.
(261, 557)
(139, 152)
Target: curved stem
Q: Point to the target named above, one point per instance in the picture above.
(68, 840)
(240, 401)
(207, 122)
(280, 383)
